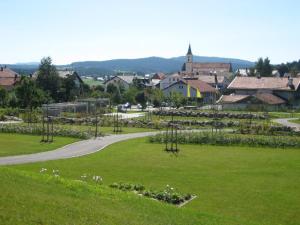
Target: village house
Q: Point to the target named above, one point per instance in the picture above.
(207, 92)
(125, 81)
(269, 91)
(8, 78)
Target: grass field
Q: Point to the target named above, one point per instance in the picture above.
(17, 144)
(38, 199)
(296, 121)
(248, 185)
(92, 82)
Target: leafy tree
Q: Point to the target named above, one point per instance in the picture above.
(282, 69)
(48, 79)
(3, 97)
(130, 94)
(141, 98)
(177, 99)
(263, 67)
(28, 95)
(157, 97)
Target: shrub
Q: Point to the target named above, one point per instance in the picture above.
(231, 139)
(38, 130)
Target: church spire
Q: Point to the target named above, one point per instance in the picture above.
(189, 50)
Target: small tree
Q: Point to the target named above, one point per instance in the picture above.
(48, 79)
(141, 98)
(3, 97)
(177, 99)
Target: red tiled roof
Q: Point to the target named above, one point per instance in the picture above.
(212, 66)
(8, 77)
(159, 76)
(232, 98)
(269, 99)
(201, 85)
(270, 83)
(211, 79)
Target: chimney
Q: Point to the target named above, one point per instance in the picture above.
(16, 76)
(290, 83)
(1, 69)
(216, 79)
(258, 76)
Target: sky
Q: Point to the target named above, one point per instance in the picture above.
(86, 30)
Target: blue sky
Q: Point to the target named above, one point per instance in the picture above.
(78, 30)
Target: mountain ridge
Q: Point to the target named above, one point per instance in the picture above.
(139, 65)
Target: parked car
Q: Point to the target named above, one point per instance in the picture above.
(121, 108)
(127, 105)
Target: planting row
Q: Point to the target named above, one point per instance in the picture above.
(230, 139)
(37, 129)
(219, 115)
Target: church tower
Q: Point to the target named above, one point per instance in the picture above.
(189, 61)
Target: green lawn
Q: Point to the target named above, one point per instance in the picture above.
(295, 121)
(17, 144)
(39, 199)
(92, 82)
(248, 185)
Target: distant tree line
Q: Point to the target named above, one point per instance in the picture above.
(264, 68)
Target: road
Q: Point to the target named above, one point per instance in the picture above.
(288, 123)
(72, 150)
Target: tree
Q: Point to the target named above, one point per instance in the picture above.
(177, 99)
(157, 97)
(263, 67)
(3, 97)
(282, 69)
(130, 94)
(141, 98)
(48, 79)
(28, 95)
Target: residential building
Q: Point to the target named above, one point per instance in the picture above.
(8, 78)
(208, 93)
(257, 101)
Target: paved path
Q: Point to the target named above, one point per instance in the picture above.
(288, 123)
(73, 150)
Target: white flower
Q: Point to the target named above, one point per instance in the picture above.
(43, 170)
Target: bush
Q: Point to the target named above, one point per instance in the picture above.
(231, 139)
(38, 130)
(168, 195)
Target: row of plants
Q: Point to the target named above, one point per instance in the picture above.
(219, 115)
(168, 195)
(37, 129)
(266, 129)
(230, 139)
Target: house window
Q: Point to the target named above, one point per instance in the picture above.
(180, 87)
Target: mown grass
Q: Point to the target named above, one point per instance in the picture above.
(248, 185)
(40, 199)
(17, 144)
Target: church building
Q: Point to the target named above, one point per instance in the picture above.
(197, 68)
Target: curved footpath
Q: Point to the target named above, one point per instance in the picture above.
(288, 123)
(72, 150)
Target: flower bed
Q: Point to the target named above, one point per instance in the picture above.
(168, 195)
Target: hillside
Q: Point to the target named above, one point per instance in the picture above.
(60, 201)
(140, 66)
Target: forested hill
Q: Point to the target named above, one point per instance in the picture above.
(142, 65)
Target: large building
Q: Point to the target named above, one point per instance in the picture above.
(197, 68)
